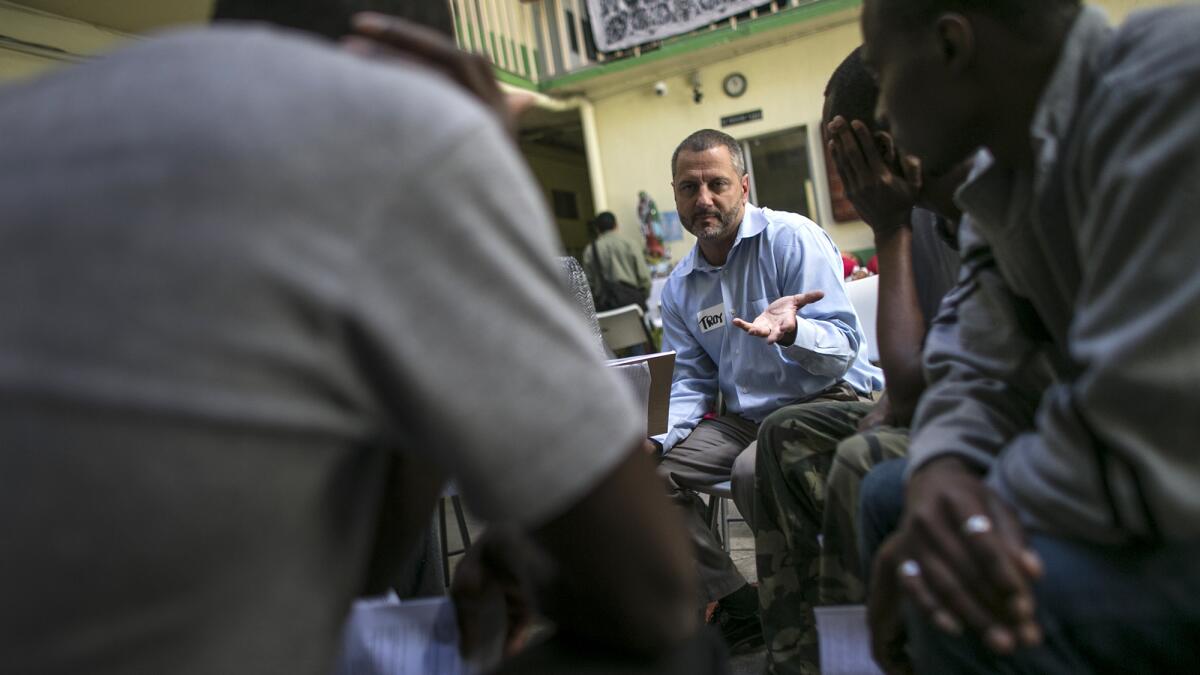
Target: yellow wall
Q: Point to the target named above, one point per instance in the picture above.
(52, 41)
(638, 130)
(557, 169)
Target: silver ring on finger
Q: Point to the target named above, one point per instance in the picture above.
(977, 524)
(909, 568)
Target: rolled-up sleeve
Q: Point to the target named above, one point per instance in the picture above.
(826, 341)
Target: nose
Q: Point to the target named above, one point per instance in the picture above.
(704, 197)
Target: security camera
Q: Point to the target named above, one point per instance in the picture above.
(660, 88)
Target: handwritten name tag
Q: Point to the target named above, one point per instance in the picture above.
(712, 318)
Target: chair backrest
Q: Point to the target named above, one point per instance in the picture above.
(576, 283)
(864, 296)
(623, 327)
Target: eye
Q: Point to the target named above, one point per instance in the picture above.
(720, 185)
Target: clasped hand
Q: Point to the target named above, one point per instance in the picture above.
(960, 557)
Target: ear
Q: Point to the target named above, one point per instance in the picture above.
(886, 146)
(745, 188)
(956, 40)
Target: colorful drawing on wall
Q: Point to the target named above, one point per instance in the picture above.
(672, 228)
(617, 24)
(651, 227)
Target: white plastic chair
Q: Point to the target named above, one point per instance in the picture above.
(625, 327)
(864, 296)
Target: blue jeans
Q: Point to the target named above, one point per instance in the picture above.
(880, 505)
(1103, 609)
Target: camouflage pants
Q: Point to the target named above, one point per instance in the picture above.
(811, 460)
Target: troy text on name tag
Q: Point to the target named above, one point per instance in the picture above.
(712, 318)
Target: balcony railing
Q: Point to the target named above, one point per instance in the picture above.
(535, 41)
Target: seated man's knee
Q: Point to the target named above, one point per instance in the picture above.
(855, 452)
(789, 426)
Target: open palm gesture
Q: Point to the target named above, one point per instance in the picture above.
(777, 323)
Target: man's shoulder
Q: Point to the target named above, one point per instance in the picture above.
(786, 228)
(1151, 47)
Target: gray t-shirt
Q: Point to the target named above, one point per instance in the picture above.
(240, 273)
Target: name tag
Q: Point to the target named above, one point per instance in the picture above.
(712, 318)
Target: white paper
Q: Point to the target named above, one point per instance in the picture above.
(413, 637)
(845, 641)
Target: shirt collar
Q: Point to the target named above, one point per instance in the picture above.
(988, 191)
(754, 221)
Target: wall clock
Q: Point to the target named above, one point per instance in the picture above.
(734, 85)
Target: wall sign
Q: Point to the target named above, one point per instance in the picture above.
(618, 24)
(742, 118)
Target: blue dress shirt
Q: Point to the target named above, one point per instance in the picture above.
(775, 254)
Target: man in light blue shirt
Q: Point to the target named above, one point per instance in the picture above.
(745, 259)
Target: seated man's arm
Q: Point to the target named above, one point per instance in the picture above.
(885, 199)
(812, 322)
(986, 375)
(694, 384)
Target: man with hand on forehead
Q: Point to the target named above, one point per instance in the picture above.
(1054, 529)
(804, 343)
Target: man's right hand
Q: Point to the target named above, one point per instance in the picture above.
(883, 197)
(777, 323)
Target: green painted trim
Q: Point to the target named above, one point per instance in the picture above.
(508, 65)
(525, 59)
(691, 43)
(514, 79)
(495, 54)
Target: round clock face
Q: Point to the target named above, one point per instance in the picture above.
(735, 85)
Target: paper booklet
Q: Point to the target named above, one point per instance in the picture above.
(662, 366)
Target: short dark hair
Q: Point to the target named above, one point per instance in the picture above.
(331, 18)
(1024, 16)
(706, 139)
(605, 221)
(852, 92)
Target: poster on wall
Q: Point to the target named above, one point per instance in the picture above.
(617, 24)
(672, 228)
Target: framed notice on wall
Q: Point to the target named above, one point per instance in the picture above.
(843, 210)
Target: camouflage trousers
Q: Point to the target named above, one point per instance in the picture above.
(811, 461)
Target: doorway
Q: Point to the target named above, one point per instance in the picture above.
(780, 168)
